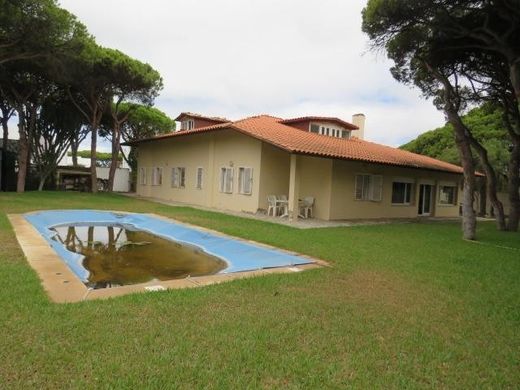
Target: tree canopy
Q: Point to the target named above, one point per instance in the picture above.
(460, 53)
(487, 126)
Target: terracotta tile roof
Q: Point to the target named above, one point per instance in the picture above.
(338, 121)
(274, 132)
(194, 115)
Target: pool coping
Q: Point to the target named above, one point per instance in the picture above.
(63, 286)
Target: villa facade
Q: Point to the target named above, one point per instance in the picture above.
(235, 165)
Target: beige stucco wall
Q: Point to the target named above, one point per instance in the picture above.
(211, 151)
(316, 181)
(274, 175)
(344, 206)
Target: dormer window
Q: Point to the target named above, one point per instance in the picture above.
(329, 130)
(187, 124)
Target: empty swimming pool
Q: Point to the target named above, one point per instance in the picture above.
(105, 248)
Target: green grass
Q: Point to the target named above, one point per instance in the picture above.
(404, 305)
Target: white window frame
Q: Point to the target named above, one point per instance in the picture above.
(156, 176)
(178, 179)
(174, 178)
(226, 180)
(328, 130)
(408, 190)
(199, 178)
(188, 124)
(372, 187)
(311, 124)
(142, 176)
(245, 187)
(455, 194)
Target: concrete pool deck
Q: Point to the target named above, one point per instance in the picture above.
(62, 285)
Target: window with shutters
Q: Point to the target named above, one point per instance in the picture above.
(245, 180)
(182, 177)
(178, 177)
(369, 187)
(226, 180)
(199, 178)
(156, 176)
(175, 178)
(142, 176)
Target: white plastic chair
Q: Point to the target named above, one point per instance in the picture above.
(283, 205)
(273, 207)
(307, 206)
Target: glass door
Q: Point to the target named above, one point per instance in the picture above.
(425, 199)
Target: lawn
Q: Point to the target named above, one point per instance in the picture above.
(404, 305)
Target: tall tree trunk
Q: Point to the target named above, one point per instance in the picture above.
(514, 187)
(3, 163)
(469, 217)
(491, 182)
(483, 198)
(74, 146)
(514, 161)
(451, 103)
(23, 150)
(116, 145)
(93, 160)
(514, 76)
(41, 183)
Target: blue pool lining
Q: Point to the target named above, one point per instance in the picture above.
(239, 255)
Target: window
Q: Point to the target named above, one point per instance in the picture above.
(245, 180)
(178, 177)
(369, 187)
(199, 178)
(187, 124)
(226, 180)
(142, 176)
(182, 177)
(402, 192)
(447, 194)
(156, 176)
(336, 132)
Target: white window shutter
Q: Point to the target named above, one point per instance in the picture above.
(174, 177)
(229, 183)
(222, 179)
(376, 188)
(249, 181)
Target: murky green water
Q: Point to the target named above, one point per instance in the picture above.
(115, 256)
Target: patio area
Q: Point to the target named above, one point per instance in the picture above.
(300, 223)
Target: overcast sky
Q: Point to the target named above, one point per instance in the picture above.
(237, 58)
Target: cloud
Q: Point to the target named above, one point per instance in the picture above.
(237, 58)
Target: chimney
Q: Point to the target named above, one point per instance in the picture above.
(359, 121)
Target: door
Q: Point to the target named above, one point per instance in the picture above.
(425, 199)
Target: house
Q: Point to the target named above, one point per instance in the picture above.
(235, 165)
(74, 181)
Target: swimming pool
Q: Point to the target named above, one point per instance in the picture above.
(238, 255)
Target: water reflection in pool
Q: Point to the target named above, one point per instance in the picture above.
(118, 255)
